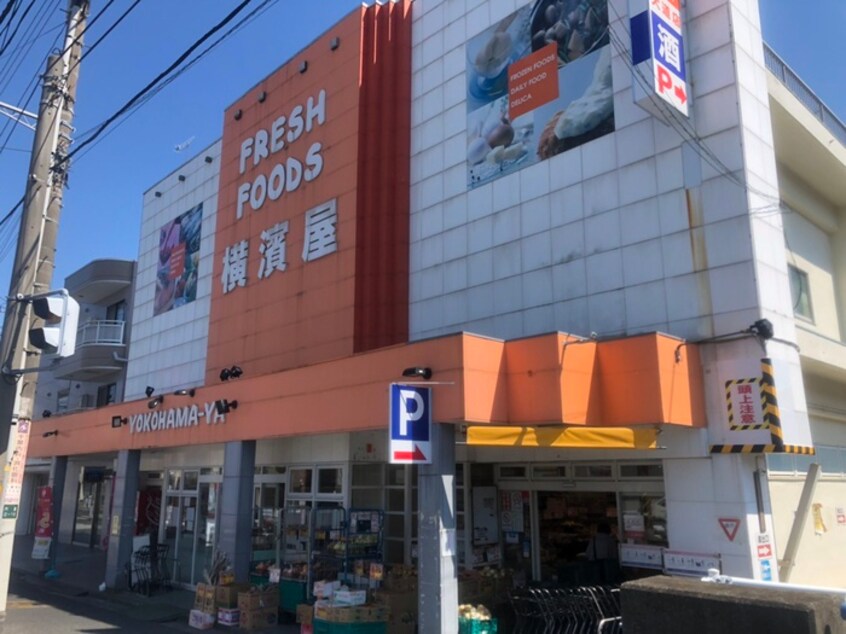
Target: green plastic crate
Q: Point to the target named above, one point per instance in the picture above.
(327, 627)
(470, 626)
(291, 594)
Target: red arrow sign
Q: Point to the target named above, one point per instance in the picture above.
(729, 526)
(410, 455)
(764, 551)
(680, 93)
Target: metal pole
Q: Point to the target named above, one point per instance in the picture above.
(799, 521)
(32, 271)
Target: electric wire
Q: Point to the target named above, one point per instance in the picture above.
(5, 29)
(6, 10)
(103, 126)
(105, 34)
(253, 15)
(13, 61)
(681, 126)
(33, 85)
(5, 221)
(15, 32)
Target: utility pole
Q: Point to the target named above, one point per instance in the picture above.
(32, 272)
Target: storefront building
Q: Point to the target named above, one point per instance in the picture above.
(437, 193)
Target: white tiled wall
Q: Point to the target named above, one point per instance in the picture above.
(653, 227)
(168, 351)
(607, 223)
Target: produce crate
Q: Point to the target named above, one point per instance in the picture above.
(472, 626)
(291, 594)
(328, 627)
(227, 596)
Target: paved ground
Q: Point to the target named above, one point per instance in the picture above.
(73, 602)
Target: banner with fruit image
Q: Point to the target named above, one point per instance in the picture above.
(43, 523)
(538, 84)
(179, 257)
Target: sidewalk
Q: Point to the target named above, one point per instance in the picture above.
(81, 573)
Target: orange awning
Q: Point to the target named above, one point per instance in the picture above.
(571, 437)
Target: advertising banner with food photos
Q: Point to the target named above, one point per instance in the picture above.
(179, 256)
(538, 84)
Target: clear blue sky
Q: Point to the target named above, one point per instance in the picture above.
(103, 204)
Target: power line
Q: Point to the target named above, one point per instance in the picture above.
(152, 88)
(15, 32)
(255, 13)
(12, 61)
(106, 33)
(683, 127)
(156, 80)
(6, 10)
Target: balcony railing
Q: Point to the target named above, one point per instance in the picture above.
(803, 93)
(102, 332)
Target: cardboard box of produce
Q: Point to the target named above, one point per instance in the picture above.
(228, 616)
(305, 613)
(355, 614)
(227, 596)
(402, 607)
(204, 599)
(259, 598)
(258, 619)
(199, 620)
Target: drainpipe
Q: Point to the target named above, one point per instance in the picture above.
(799, 521)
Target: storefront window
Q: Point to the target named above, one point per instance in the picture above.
(593, 471)
(174, 480)
(190, 480)
(510, 472)
(301, 480)
(396, 475)
(646, 470)
(329, 480)
(644, 519)
(543, 472)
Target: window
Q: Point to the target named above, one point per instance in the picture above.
(106, 394)
(62, 401)
(593, 471)
(800, 293)
(645, 470)
(117, 311)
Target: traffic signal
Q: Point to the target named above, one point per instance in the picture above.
(57, 335)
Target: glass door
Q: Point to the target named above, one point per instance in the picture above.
(190, 517)
(205, 530)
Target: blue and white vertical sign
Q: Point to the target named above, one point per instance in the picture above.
(658, 53)
(410, 440)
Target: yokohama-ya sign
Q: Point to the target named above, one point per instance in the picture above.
(175, 418)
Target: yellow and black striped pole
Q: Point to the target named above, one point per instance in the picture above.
(769, 403)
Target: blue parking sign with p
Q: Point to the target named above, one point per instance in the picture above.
(410, 425)
(411, 414)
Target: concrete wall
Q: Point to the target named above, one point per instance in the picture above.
(663, 604)
(821, 558)
(168, 351)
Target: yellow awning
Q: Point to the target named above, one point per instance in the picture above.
(575, 437)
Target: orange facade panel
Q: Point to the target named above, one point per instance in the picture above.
(551, 379)
(311, 242)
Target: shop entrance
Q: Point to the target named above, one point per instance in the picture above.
(188, 524)
(93, 502)
(577, 537)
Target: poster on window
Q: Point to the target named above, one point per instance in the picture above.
(179, 258)
(538, 84)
